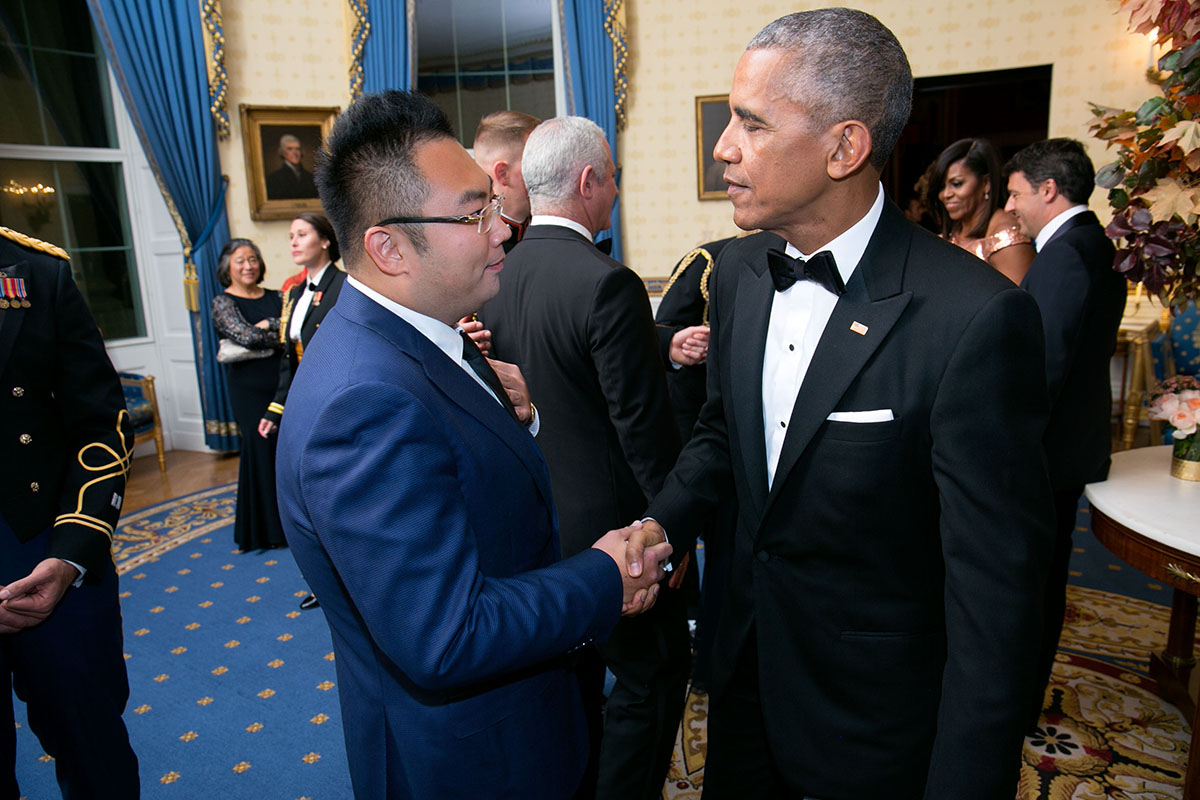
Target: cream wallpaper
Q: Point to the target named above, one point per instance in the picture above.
(278, 53)
(295, 52)
(680, 49)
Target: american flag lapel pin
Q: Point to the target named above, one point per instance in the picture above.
(859, 328)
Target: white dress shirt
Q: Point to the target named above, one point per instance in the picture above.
(444, 337)
(798, 318)
(1051, 227)
(304, 302)
(550, 219)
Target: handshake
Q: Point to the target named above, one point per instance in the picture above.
(639, 551)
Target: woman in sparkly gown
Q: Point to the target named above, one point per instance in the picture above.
(249, 315)
(966, 195)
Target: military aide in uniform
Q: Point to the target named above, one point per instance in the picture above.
(66, 440)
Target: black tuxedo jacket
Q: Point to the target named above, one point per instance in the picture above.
(330, 286)
(578, 324)
(66, 437)
(1081, 299)
(683, 305)
(892, 574)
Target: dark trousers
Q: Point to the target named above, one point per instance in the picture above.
(70, 673)
(650, 657)
(739, 764)
(1054, 603)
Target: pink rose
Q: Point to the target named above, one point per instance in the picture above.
(1183, 421)
(1163, 408)
(1190, 398)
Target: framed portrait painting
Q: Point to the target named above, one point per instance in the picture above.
(712, 115)
(281, 143)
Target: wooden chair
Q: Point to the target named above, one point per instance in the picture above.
(142, 403)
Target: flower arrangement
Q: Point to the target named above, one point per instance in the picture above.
(1154, 185)
(1176, 401)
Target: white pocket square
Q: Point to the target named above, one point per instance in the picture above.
(878, 415)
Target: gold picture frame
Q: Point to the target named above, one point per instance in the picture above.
(712, 115)
(280, 188)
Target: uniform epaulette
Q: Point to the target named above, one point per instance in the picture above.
(34, 244)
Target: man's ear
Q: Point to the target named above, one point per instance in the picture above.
(1048, 191)
(389, 249)
(851, 150)
(500, 174)
(587, 182)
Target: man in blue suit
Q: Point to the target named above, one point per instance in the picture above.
(416, 504)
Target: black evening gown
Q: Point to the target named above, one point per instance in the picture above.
(251, 388)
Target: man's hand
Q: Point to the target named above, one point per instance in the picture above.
(28, 601)
(481, 336)
(689, 346)
(266, 428)
(640, 591)
(514, 384)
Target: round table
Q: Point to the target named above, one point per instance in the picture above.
(1151, 521)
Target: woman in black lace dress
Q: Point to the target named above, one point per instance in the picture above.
(249, 315)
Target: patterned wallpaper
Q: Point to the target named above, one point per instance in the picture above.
(293, 52)
(279, 53)
(680, 49)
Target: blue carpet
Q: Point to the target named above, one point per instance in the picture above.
(232, 688)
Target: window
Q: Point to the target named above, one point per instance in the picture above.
(62, 172)
(479, 56)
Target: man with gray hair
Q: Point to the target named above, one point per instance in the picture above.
(291, 181)
(875, 407)
(578, 324)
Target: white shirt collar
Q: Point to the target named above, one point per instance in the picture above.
(316, 279)
(550, 219)
(849, 246)
(444, 337)
(1051, 227)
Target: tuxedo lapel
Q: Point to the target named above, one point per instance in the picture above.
(747, 343)
(10, 320)
(1077, 221)
(873, 303)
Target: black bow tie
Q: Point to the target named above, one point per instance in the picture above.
(821, 269)
(312, 287)
(605, 246)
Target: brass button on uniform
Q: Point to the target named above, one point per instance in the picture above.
(18, 391)
(33, 487)
(24, 438)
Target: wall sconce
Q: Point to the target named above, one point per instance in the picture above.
(36, 200)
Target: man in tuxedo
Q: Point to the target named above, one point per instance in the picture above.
(876, 405)
(499, 142)
(291, 181)
(579, 326)
(415, 503)
(1081, 299)
(65, 457)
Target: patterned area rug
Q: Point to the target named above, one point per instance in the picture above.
(1104, 734)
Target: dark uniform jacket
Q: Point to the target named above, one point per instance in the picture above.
(65, 435)
(329, 288)
(684, 304)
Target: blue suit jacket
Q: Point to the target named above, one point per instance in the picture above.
(421, 516)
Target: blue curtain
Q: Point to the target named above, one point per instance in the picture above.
(385, 53)
(591, 91)
(156, 50)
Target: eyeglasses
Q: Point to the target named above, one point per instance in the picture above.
(484, 218)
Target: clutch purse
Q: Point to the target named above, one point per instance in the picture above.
(230, 352)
